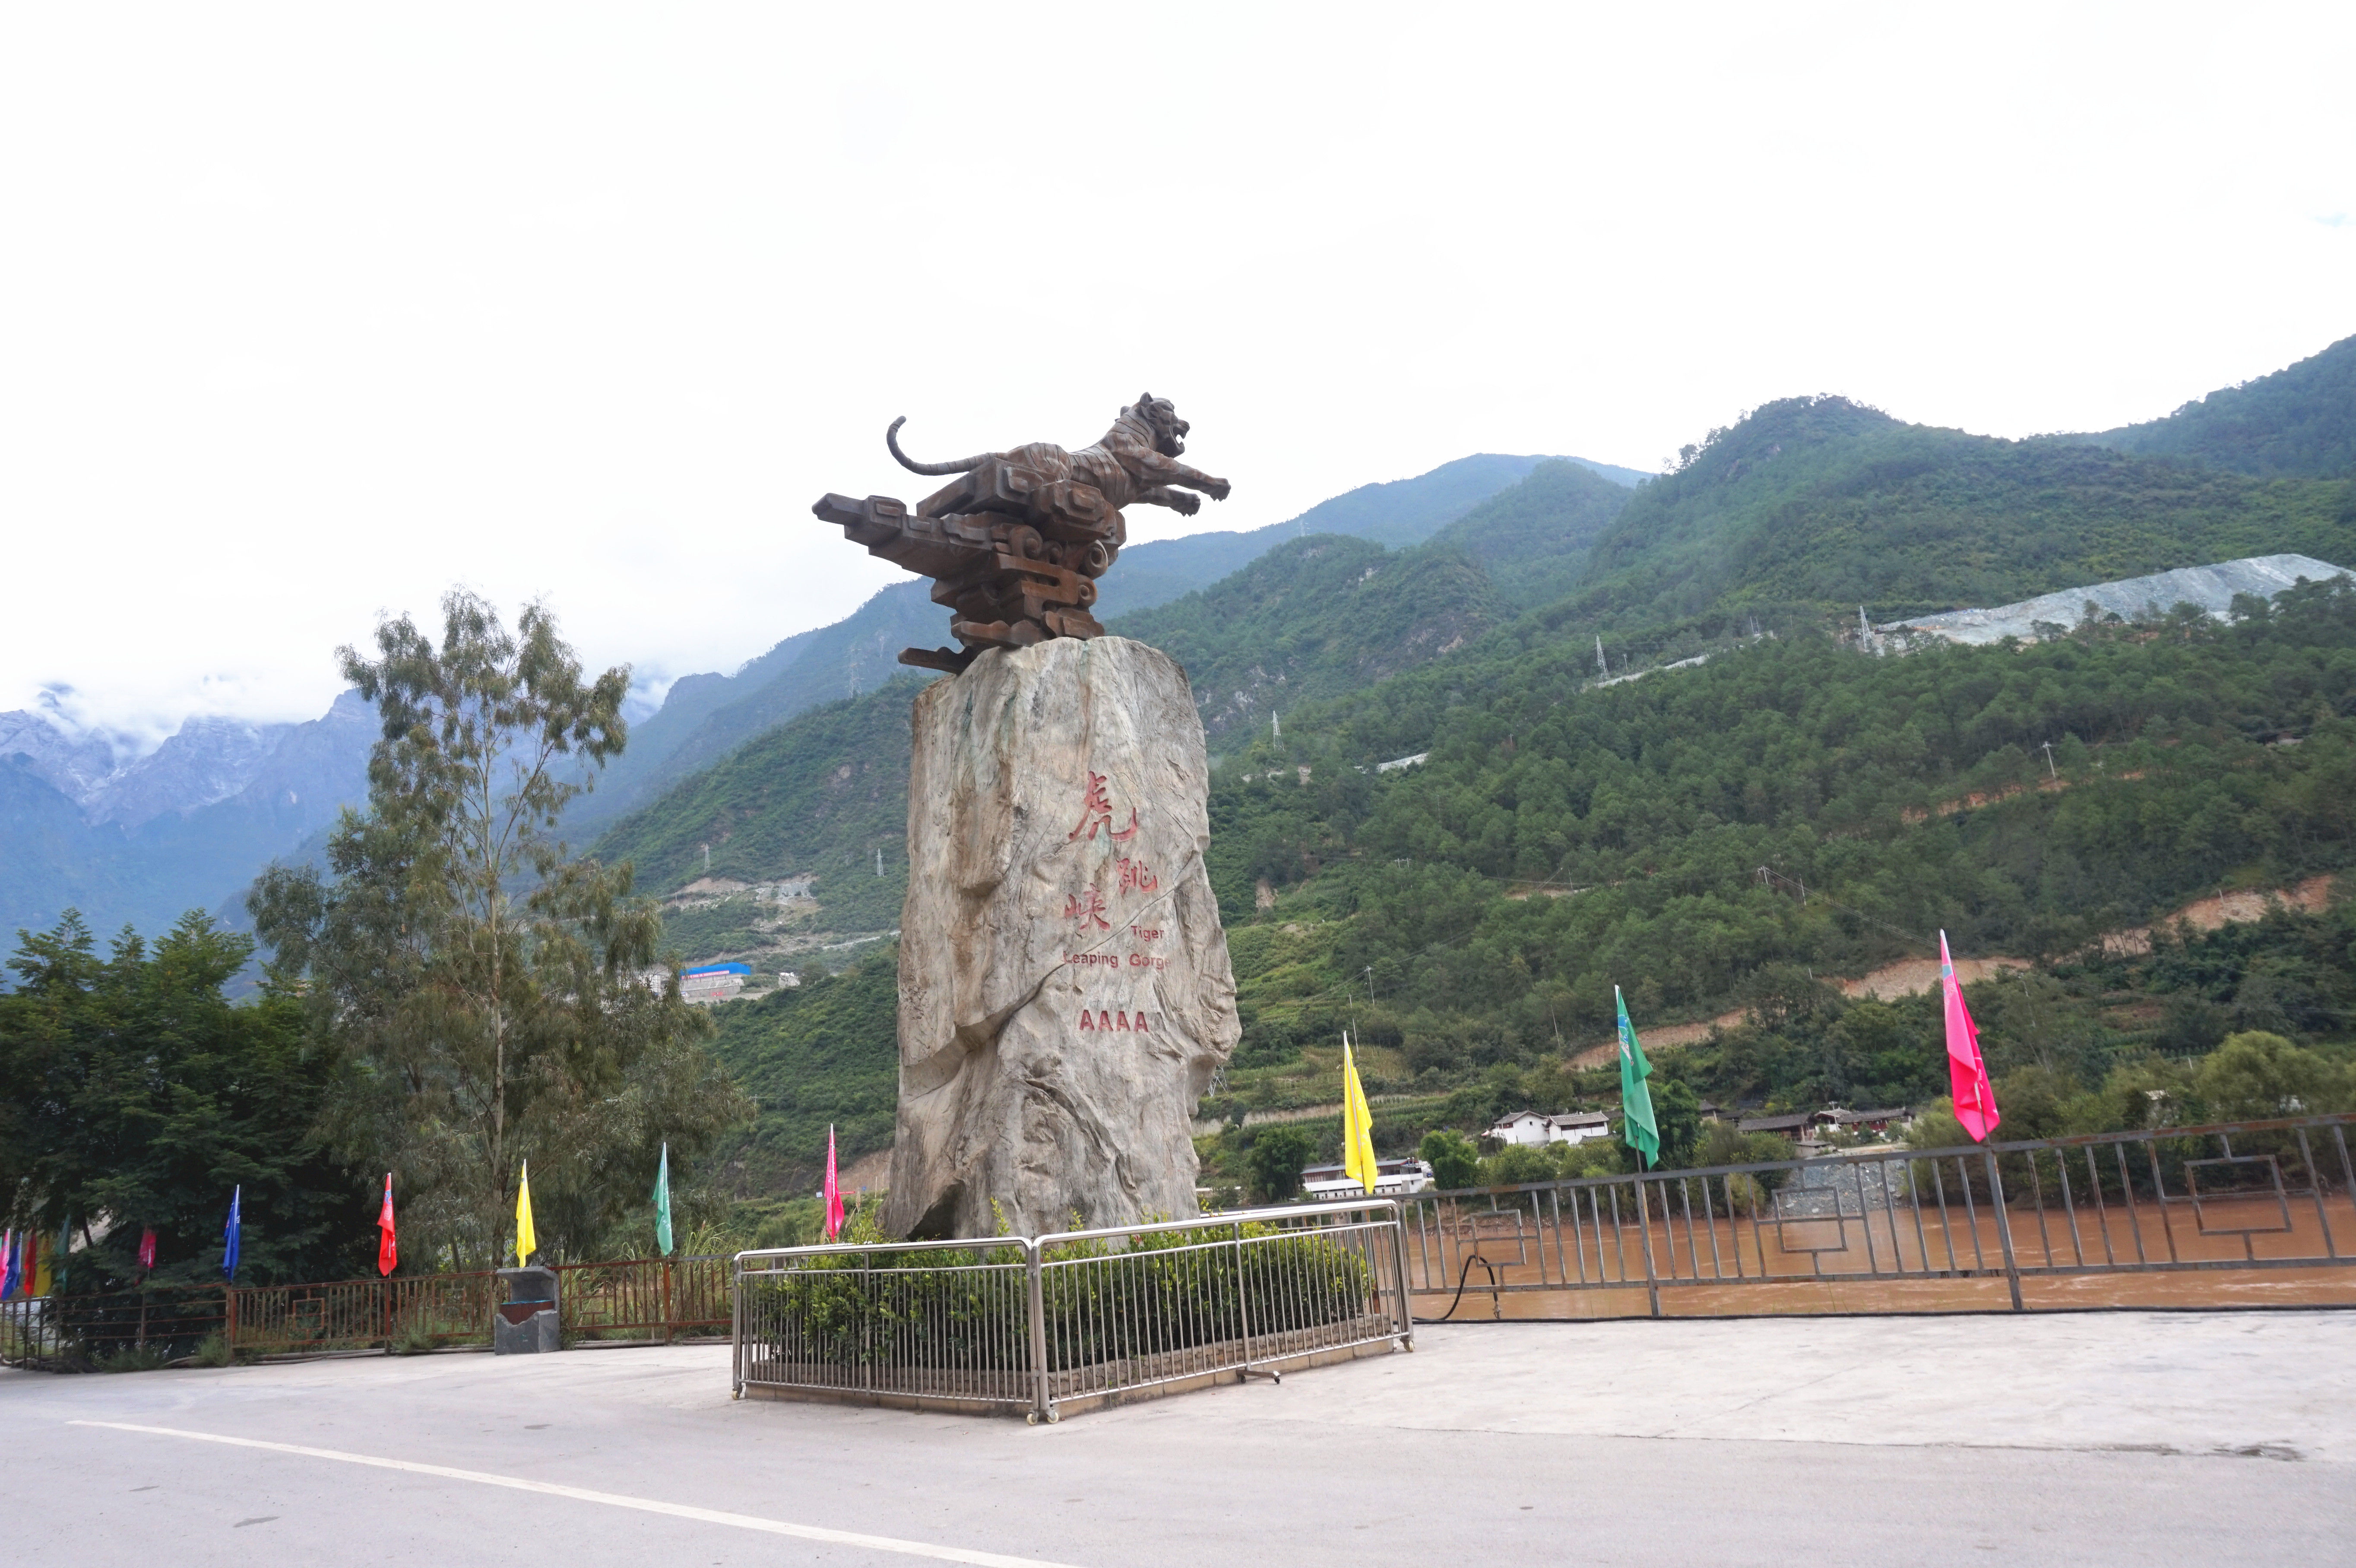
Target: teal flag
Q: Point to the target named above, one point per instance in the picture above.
(662, 1203)
(1641, 1133)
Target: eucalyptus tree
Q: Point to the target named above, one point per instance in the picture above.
(485, 990)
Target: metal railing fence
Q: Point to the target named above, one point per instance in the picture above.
(2228, 1215)
(648, 1298)
(1035, 1325)
(637, 1298)
(168, 1321)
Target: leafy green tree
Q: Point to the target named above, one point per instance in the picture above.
(133, 1093)
(1676, 1111)
(2254, 1075)
(1278, 1154)
(486, 992)
(1454, 1159)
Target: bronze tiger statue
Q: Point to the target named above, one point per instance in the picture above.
(1019, 538)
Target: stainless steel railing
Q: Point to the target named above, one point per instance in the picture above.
(1014, 1323)
(2233, 1213)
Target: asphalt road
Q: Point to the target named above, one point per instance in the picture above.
(2113, 1439)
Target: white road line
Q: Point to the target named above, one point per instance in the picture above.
(611, 1499)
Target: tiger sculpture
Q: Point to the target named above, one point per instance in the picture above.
(1019, 537)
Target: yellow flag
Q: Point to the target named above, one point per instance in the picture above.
(1358, 1123)
(527, 1241)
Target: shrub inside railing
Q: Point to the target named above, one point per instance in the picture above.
(1102, 1299)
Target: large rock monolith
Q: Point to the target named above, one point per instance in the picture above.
(1065, 990)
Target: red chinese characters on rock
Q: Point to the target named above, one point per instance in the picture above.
(1109, 1019)
(1087, 909)
(1096, 812)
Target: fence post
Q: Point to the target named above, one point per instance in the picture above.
(2003, 1227)
(1243, 1299)
(1645, 1225)
(736, 1326)
(1042, 1409)
(666, 1300)
(229, 1314)
(1399, 1272)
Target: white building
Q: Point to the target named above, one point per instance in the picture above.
(1535, 1129)
(1392, 1179)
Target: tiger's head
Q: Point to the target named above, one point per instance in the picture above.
(1161, 416)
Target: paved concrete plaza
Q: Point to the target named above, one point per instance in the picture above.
(2113, 1439)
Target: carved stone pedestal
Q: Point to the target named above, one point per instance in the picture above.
(1065, 991)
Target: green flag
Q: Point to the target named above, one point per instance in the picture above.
(662, 1203)
(1641, 1133)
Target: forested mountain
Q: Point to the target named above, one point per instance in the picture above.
(1315, 618)
(1813, 505)
(1533, 539)
(1567, 834)
(1398, 513)
(817, 797)
(2298, 423)
(1469, 916)
(719, 713)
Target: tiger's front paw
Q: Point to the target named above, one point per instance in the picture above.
(1217, 489)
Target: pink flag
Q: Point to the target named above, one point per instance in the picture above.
(148, 1248)
(1974, 1100)
(388, 1247)
(833, 1190)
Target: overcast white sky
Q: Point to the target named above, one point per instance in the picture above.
(309, 314)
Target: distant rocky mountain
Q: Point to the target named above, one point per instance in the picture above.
(76, 763)
(184, 827)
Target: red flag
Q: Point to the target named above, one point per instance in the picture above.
(388, 1255)
(833, 1191)
(1975, 1099)
(148, 1248)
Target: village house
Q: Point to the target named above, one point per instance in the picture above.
(1535, 1129)
(1792, 1125)
(1835, 1119)
(1392, 1179)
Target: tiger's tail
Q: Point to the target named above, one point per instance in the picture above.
(892, 440)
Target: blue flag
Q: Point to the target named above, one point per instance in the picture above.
(229, 1234)
(12, 1273)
